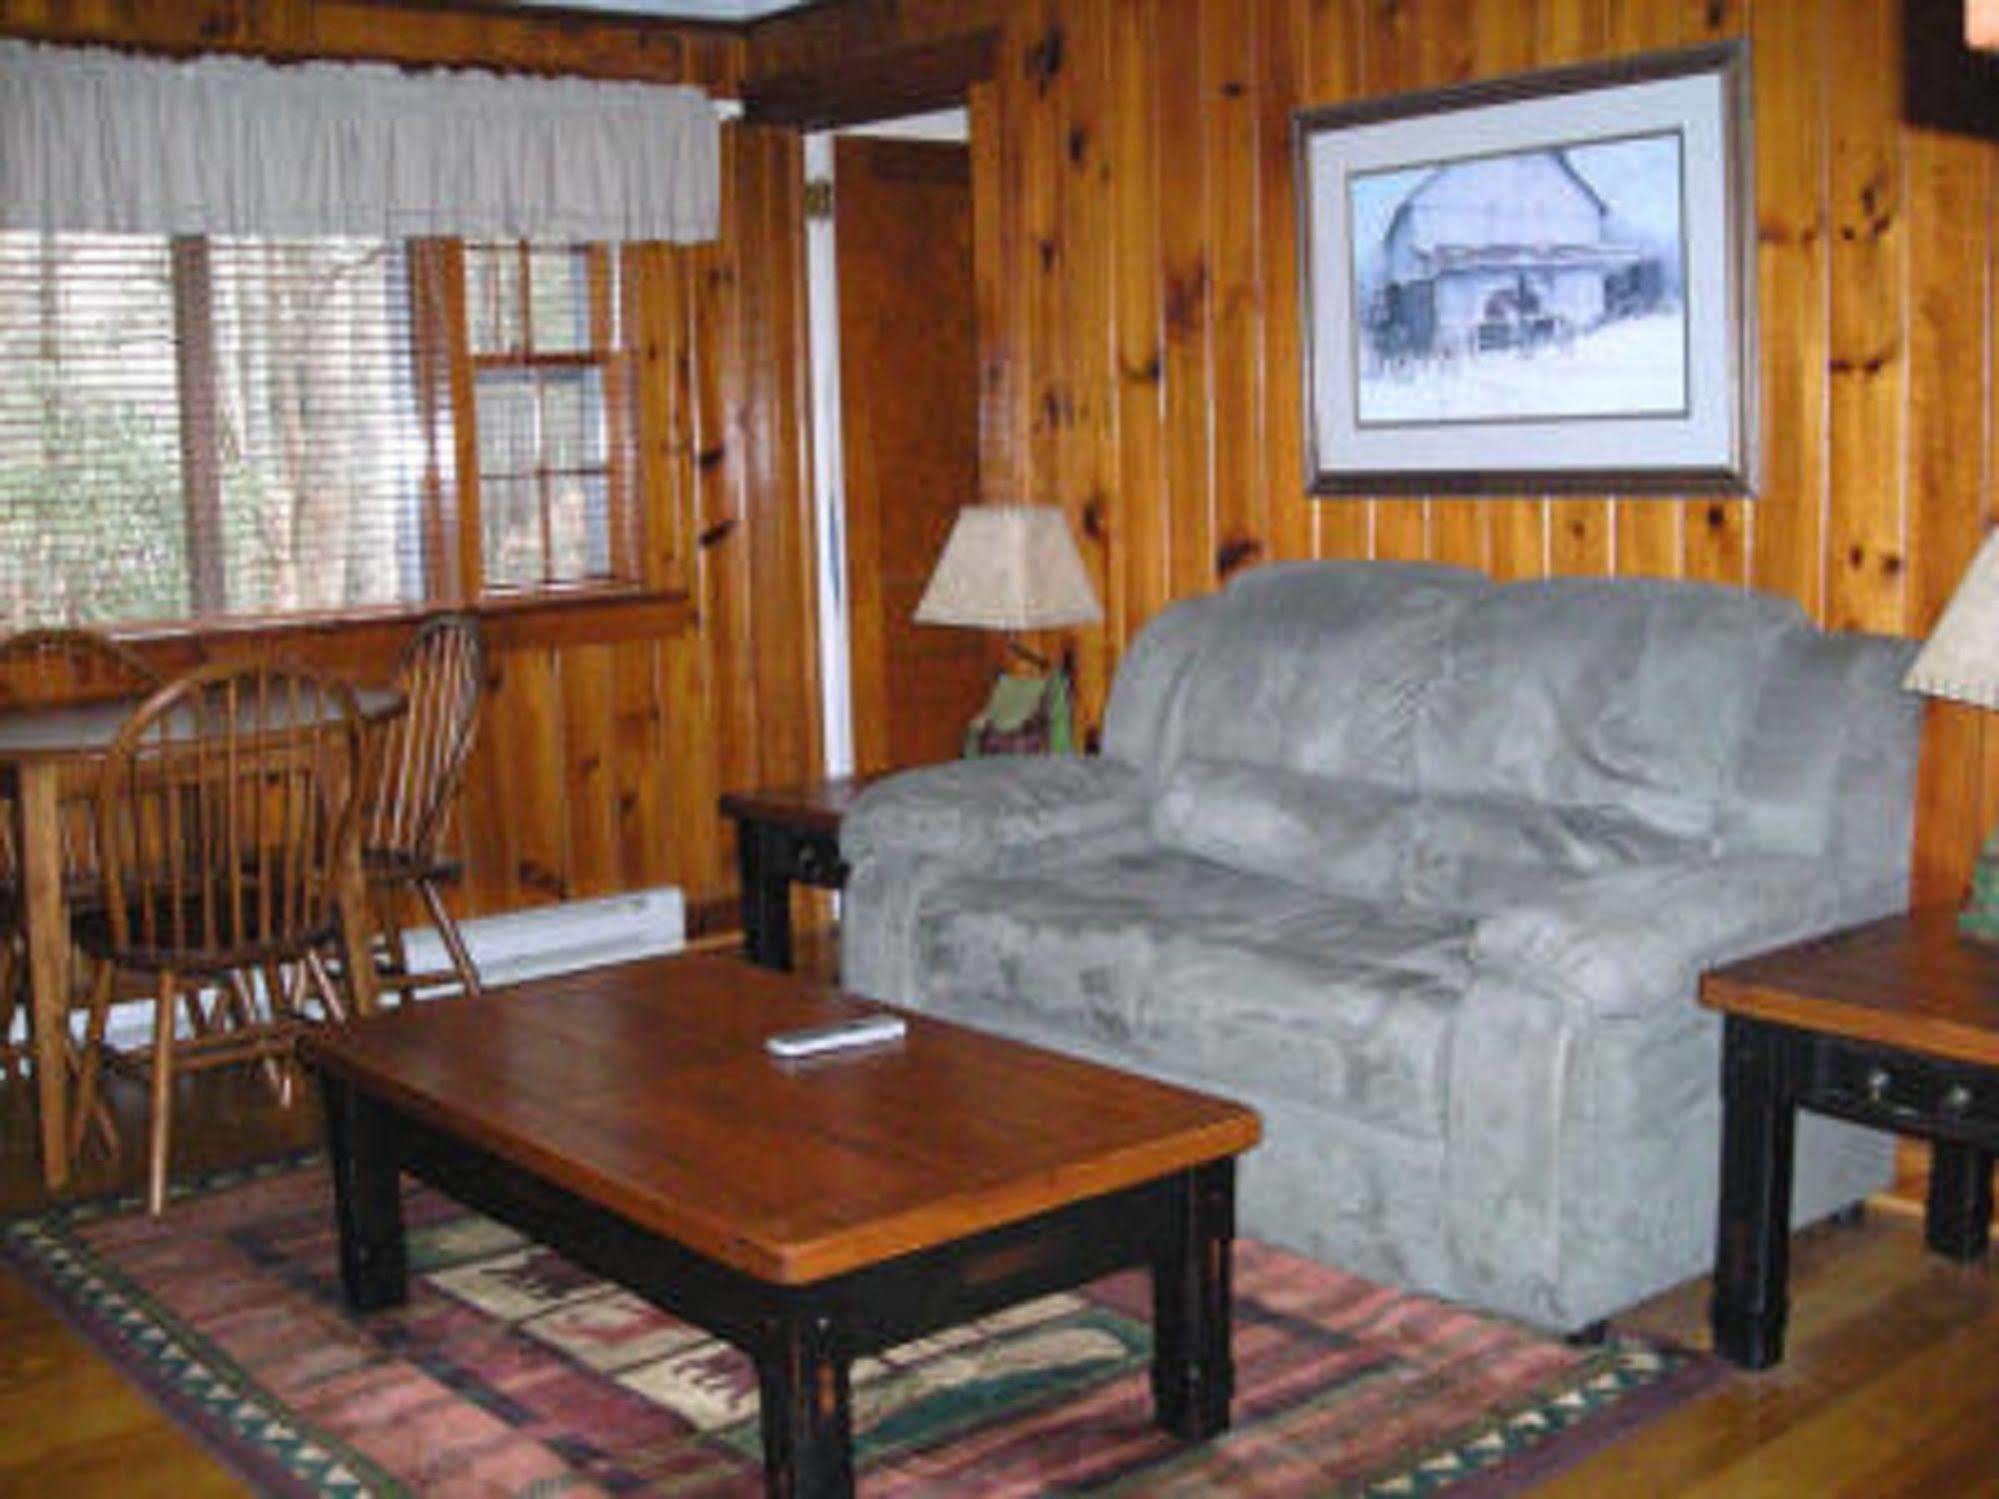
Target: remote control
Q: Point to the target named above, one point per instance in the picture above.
(871, 1030)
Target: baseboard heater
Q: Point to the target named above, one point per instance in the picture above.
(520, 945)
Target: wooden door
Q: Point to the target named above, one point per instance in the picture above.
(902, 221)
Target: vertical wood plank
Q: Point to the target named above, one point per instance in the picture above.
(1142, 583)
(641, 833)
(1189, 293)
(527, 719)
(721, 473)
(1949, 208)
(1793, 270)
(1281, 63)
(1581, 532)
(1343, 526)
(1460, 529)
(995, 234)
(783, 576)
(1228, 109)
(1717, 534)
(1392, 61)
(1089, 437)
(588, 772)
(1648, 528)
(1866, 523)
(1503, 42)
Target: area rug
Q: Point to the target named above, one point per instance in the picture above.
(511, 1372)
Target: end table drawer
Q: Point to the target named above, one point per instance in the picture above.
(1902, 1091)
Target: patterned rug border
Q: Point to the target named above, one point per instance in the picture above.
(1614, 1391)
(189, 1380)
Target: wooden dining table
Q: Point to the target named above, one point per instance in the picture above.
(47, 753)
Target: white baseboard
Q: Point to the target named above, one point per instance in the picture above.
(520, 945)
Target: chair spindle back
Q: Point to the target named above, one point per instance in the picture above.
(421, 754)
(225, 807)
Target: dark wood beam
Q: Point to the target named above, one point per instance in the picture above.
(874, 85)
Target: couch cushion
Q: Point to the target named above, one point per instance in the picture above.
(1257, 985)
(1320, 667)
(1341, 837)
(974, 808)
(1484, 853)
(1632, 694)
(1825, 769)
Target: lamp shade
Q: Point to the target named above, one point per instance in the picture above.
(1009, 567)
(1960, 660)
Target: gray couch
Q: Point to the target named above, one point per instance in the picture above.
(1425, 868)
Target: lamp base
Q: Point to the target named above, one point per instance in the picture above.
(1024, 716)
(1979, 920)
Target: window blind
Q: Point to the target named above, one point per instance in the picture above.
(195, 429)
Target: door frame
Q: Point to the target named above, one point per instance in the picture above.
(828, 453)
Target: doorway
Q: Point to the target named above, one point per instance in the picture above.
(896, 434)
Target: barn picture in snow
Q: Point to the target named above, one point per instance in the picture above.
(1539, 283)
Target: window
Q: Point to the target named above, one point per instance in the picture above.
(547, 373)
(197, 429)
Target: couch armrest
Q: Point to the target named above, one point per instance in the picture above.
(1622, 944)
(974, 812)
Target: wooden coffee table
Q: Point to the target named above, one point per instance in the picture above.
(808, 1212)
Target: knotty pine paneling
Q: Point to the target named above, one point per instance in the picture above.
(1149, 140)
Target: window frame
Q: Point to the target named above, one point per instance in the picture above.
(449, 500)
(611, 354)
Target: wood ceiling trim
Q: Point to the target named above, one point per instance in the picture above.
(875, 85)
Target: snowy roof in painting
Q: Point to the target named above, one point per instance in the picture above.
(1528, 198)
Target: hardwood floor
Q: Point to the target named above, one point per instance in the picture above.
(1890, 1388)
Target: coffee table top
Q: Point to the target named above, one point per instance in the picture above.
(645, 1088)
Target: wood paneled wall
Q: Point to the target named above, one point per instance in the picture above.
(1140, 362)
(1137, 243)
(612, 726)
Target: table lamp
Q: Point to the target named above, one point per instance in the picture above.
(1012, 568)
(1960, 661)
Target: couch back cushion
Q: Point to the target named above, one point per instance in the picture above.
(1828, 767)
(1343, 837)
(1150, 677)
(1626, 696)
(1319, 668)
(1481, 854)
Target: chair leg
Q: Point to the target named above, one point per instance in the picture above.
(389, 931)
(90, 1064)
(329, 995)
(244, 1005)
(12, 970)
(454, 940)
(161, 1134)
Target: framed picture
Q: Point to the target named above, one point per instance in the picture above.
(1542, 283)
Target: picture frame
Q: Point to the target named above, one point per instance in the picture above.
(1543, 283)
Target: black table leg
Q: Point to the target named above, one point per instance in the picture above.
(1958, 1220)
(367, 1198)
(1753, 1235)
(762, 865)
(802, 1382)
(1193, 1377)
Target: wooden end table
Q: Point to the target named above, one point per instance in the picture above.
(809, 1212)
(1893, 1024)
(786, 835)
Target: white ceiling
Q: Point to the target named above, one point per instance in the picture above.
(702, 10)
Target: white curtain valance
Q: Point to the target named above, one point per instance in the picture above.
(96, 140)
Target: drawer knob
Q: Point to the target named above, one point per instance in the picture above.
(1956, 1099)
(1877, 1083)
